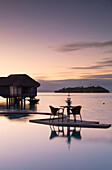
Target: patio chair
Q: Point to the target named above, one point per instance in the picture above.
(56, 112)
(76, 111)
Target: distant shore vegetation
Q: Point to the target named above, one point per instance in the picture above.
(90, 89)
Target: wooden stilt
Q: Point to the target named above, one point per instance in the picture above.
(9, 102)
(24, 103)
(21, 103)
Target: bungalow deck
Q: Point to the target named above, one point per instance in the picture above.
(71, 123)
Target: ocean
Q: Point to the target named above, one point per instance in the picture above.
(30, 146)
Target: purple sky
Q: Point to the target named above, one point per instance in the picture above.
(56, 39)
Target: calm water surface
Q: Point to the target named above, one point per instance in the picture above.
(30, 146)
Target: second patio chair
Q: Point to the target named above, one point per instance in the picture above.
(76, 111)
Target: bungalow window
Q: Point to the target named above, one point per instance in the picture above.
(32, 90)
(13, 91)
(19, 90)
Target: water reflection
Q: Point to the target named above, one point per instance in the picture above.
(65, 132)
(30, 146)
(17, 116)
(15, 112)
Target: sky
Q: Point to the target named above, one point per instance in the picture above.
(56, 40)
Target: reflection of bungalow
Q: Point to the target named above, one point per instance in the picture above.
(18, 86)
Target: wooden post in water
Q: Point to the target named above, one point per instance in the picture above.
(30, 103)
(7, 103)
(24, 103)
(21, 103)
(11, 101)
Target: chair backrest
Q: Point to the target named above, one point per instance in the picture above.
(76, 110)
(54, 110)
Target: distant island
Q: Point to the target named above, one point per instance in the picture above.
(90, 89)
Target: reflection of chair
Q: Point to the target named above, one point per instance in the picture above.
(56, 112)
(76, 111)
(66, 132)
(56, 133)
(76, 134)
(53, 133)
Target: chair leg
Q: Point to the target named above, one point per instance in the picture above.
(62, 117)
(53, 118)
(50, 117)
(81, 117)
(68, 117)
(74, 118)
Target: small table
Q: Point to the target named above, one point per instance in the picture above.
(68, 110)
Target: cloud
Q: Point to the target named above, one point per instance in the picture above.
(108, 52)
(106, 62)
(104, 76)
(83, 45)
(89, 67)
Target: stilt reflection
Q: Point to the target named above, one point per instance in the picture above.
(17, 106)
(15, 112)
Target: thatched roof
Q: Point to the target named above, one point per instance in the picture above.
(18, 80)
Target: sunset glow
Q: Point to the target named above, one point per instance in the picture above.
(52, 41)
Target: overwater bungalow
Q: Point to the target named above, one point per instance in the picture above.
(17, 87)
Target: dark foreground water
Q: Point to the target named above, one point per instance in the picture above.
(29, 146)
